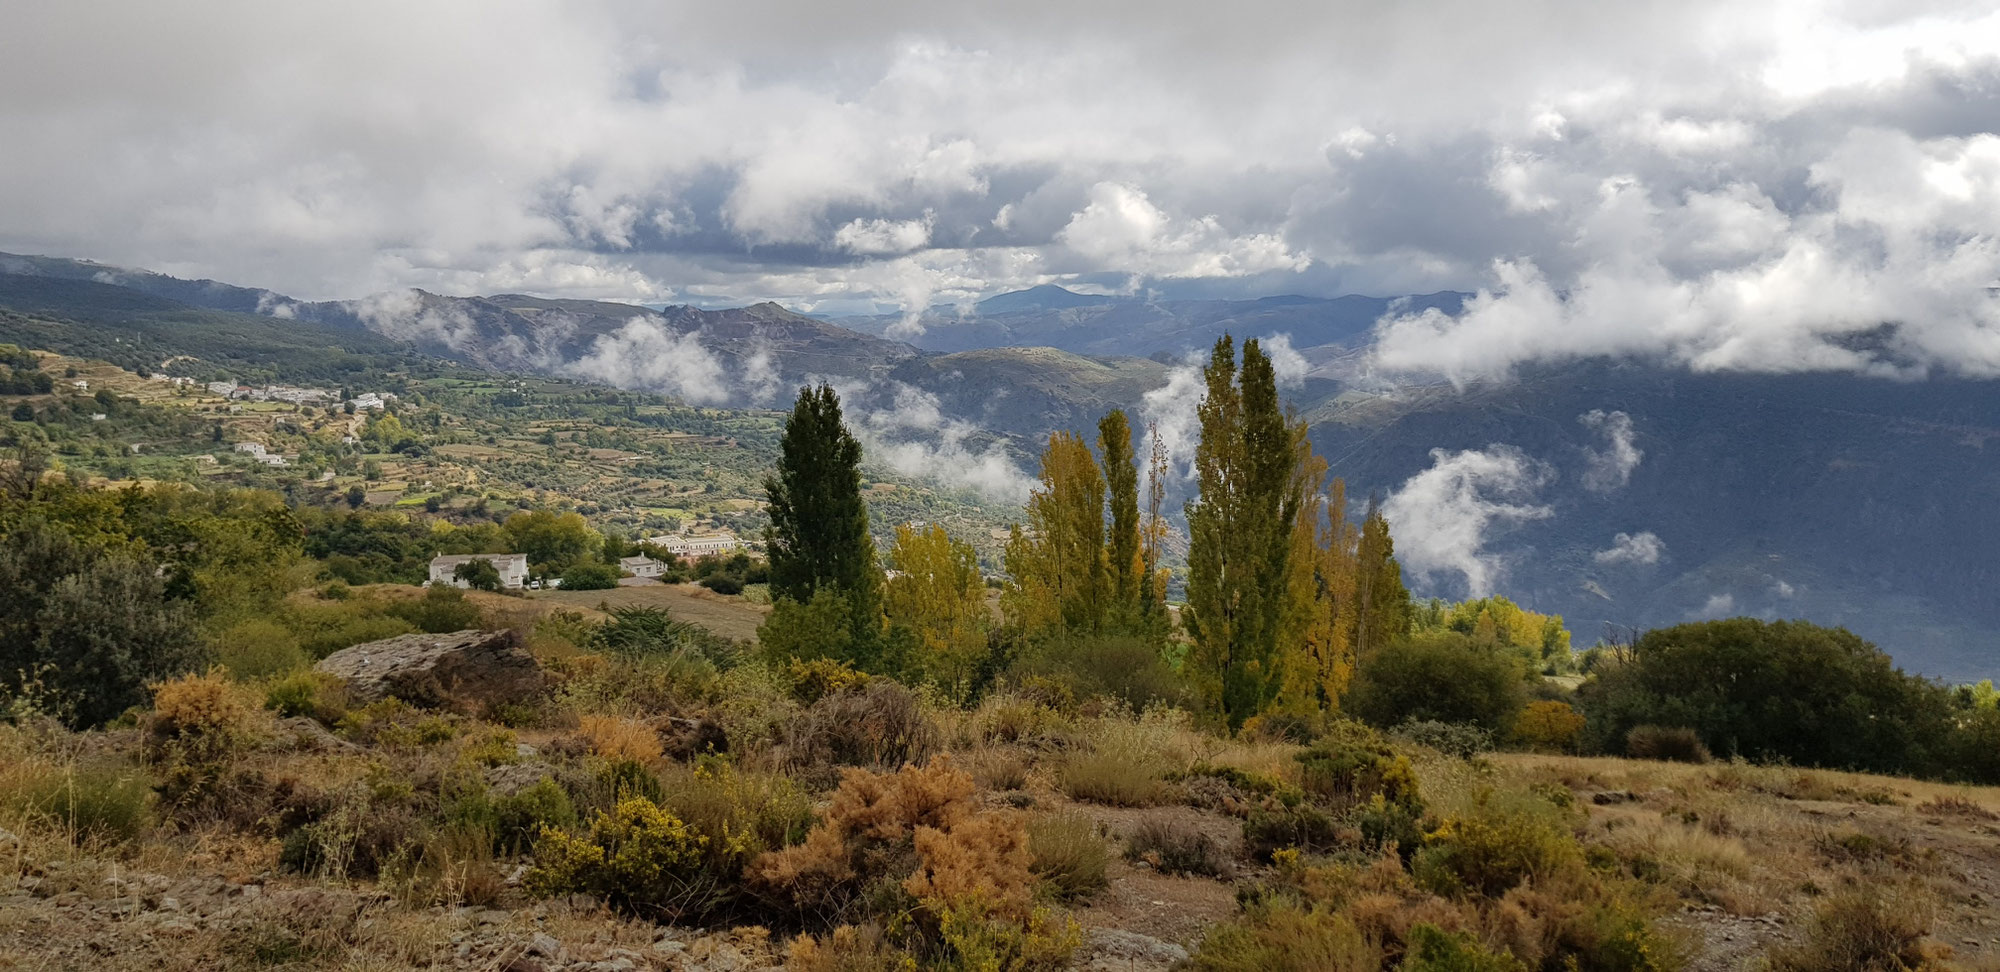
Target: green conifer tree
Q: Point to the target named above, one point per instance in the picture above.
(818, 539)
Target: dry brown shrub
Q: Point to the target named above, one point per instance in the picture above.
(985, 856)
(919, 825)
(878, 723)
(997, 769)
(616, 738)
(848, 948)
(208, 706)
(1953, 805)
(1862, 929)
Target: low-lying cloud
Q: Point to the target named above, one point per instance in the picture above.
(1610, 468)
(1441, 517)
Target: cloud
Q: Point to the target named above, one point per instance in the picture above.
(1632, 548)
(1171, 412)
(647, 356)
(912, 436)
(1717, 606)
(1442, 515)
(1719, 185)
(1611, 468)
(1289, 365)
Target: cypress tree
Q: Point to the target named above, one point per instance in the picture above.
(818, 538)
(1121, 479)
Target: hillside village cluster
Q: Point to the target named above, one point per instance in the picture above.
(513, 567)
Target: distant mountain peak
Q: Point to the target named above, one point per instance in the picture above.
(1041, 298)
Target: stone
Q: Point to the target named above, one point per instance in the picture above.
(467, 670)
(1113, 950)
(545, 945)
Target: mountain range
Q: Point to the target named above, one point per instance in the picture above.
(1619, 493)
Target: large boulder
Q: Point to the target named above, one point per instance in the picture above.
(466, 670)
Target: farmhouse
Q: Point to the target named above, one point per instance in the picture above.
(641, 566)
(513, 568)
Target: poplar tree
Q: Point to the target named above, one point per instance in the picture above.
(1248, 467)
(1058, 562)
(1381, 603)
(939, 597)
(1122, 551)
(818, 539)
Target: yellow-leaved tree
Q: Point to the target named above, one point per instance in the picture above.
(1057, 562)
(936, 594)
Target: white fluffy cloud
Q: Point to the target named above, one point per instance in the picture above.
(1441, 516)
(1632, 548)
(1719, 184)
(1610, 468)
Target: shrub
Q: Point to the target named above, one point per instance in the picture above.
(521, 817)
(1438, 675)
(725, 584)
(848, 948)
(1549, 726)
(620, 739)
(1070, 854)
(653, 631)
(1430, 949)
(1304, 827)
(589, 577)
(1860, 928)
(743, 813)
(205, 706)
(1176, 847)
(997, 769)
(1352, 765)
(1774, 690)
(1284, 936)
(917, 826)
(878, 723)
(1126, 761)
(1502, 841)
(259, 648)
(1459, 739)
(328, 626)
(639, 858)
(310, 694)
(443, 608)
(812, 679)
(1677, 744)
(86, 802)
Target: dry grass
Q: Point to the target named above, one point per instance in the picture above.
(618, 738)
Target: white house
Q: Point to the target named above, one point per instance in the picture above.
(697, 544)
(513, 568)
(641, 566)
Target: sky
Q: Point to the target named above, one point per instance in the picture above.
(1725, 185)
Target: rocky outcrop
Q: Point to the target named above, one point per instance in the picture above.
(465, 670)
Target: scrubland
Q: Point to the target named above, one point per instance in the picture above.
(677, 802)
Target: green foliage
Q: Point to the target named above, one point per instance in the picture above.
(87, 802)
(638, 857)
(589, 577)
(1459, 739)
(819, 628)
(259, 648)
(642, 631)
(97, 627)
(554, 541)
(480, 575)
(1432, 949)
(1352, 765)
(1540, 640)
(1781, 690)
(1285, 936)
(1241, 525)
(1504, 839)
(819, 539)
(1438, 676)
(1126, 668)
(443, 608)
(325, 627)
(1070, 854)
(521, 817)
